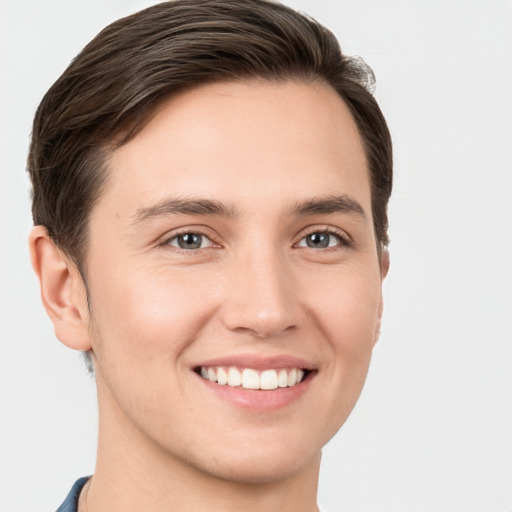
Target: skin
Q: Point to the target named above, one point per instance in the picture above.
(253, 287)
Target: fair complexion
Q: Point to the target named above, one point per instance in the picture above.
(234, 233)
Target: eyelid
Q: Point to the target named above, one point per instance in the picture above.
(164, 240)
(345, 238)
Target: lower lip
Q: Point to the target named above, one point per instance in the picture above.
(258, 399)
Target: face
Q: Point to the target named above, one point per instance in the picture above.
(232, 250)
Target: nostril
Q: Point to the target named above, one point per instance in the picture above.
(265, 330)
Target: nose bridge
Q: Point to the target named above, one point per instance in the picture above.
(260, 299)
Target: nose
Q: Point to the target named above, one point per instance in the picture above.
(260, 298)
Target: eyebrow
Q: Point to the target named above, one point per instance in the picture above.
(329, 205)
(175, 206)
(315, 206)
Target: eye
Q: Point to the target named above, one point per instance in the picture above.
(190, 241)
(321, 240)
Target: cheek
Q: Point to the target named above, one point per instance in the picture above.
(142, 324)
(143, 316)
(347, 307)
(347, 310)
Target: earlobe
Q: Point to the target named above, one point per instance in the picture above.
(384, 263)
(62, 290)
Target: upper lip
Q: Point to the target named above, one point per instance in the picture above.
(259, 363)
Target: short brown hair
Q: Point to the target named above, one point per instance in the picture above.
(111, 89)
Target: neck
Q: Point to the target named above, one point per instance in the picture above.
(134, 474)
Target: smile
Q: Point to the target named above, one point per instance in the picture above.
(250, 378)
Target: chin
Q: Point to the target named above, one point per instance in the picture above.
(261, 470)
(259, 463)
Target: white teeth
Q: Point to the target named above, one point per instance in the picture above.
(234, 377)
(282, 378)
(222, 377)
(249, 378)
(269, 379)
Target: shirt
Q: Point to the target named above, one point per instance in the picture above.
(71, 502)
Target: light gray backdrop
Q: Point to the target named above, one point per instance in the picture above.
(433, 428)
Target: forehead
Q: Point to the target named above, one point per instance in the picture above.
(238, 141)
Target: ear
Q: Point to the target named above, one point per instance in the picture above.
(384, 263)
(384, 269)
(62, 290)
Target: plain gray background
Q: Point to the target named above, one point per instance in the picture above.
(432, 430)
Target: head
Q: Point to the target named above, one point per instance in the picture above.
(136, 96)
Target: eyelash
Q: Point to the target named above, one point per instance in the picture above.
(343, 239)
(190, 231)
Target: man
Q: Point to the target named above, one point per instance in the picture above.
(210, 185)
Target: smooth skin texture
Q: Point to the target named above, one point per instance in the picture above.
(258, 275)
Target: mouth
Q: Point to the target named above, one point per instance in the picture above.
(252, 378)
(257, 383)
